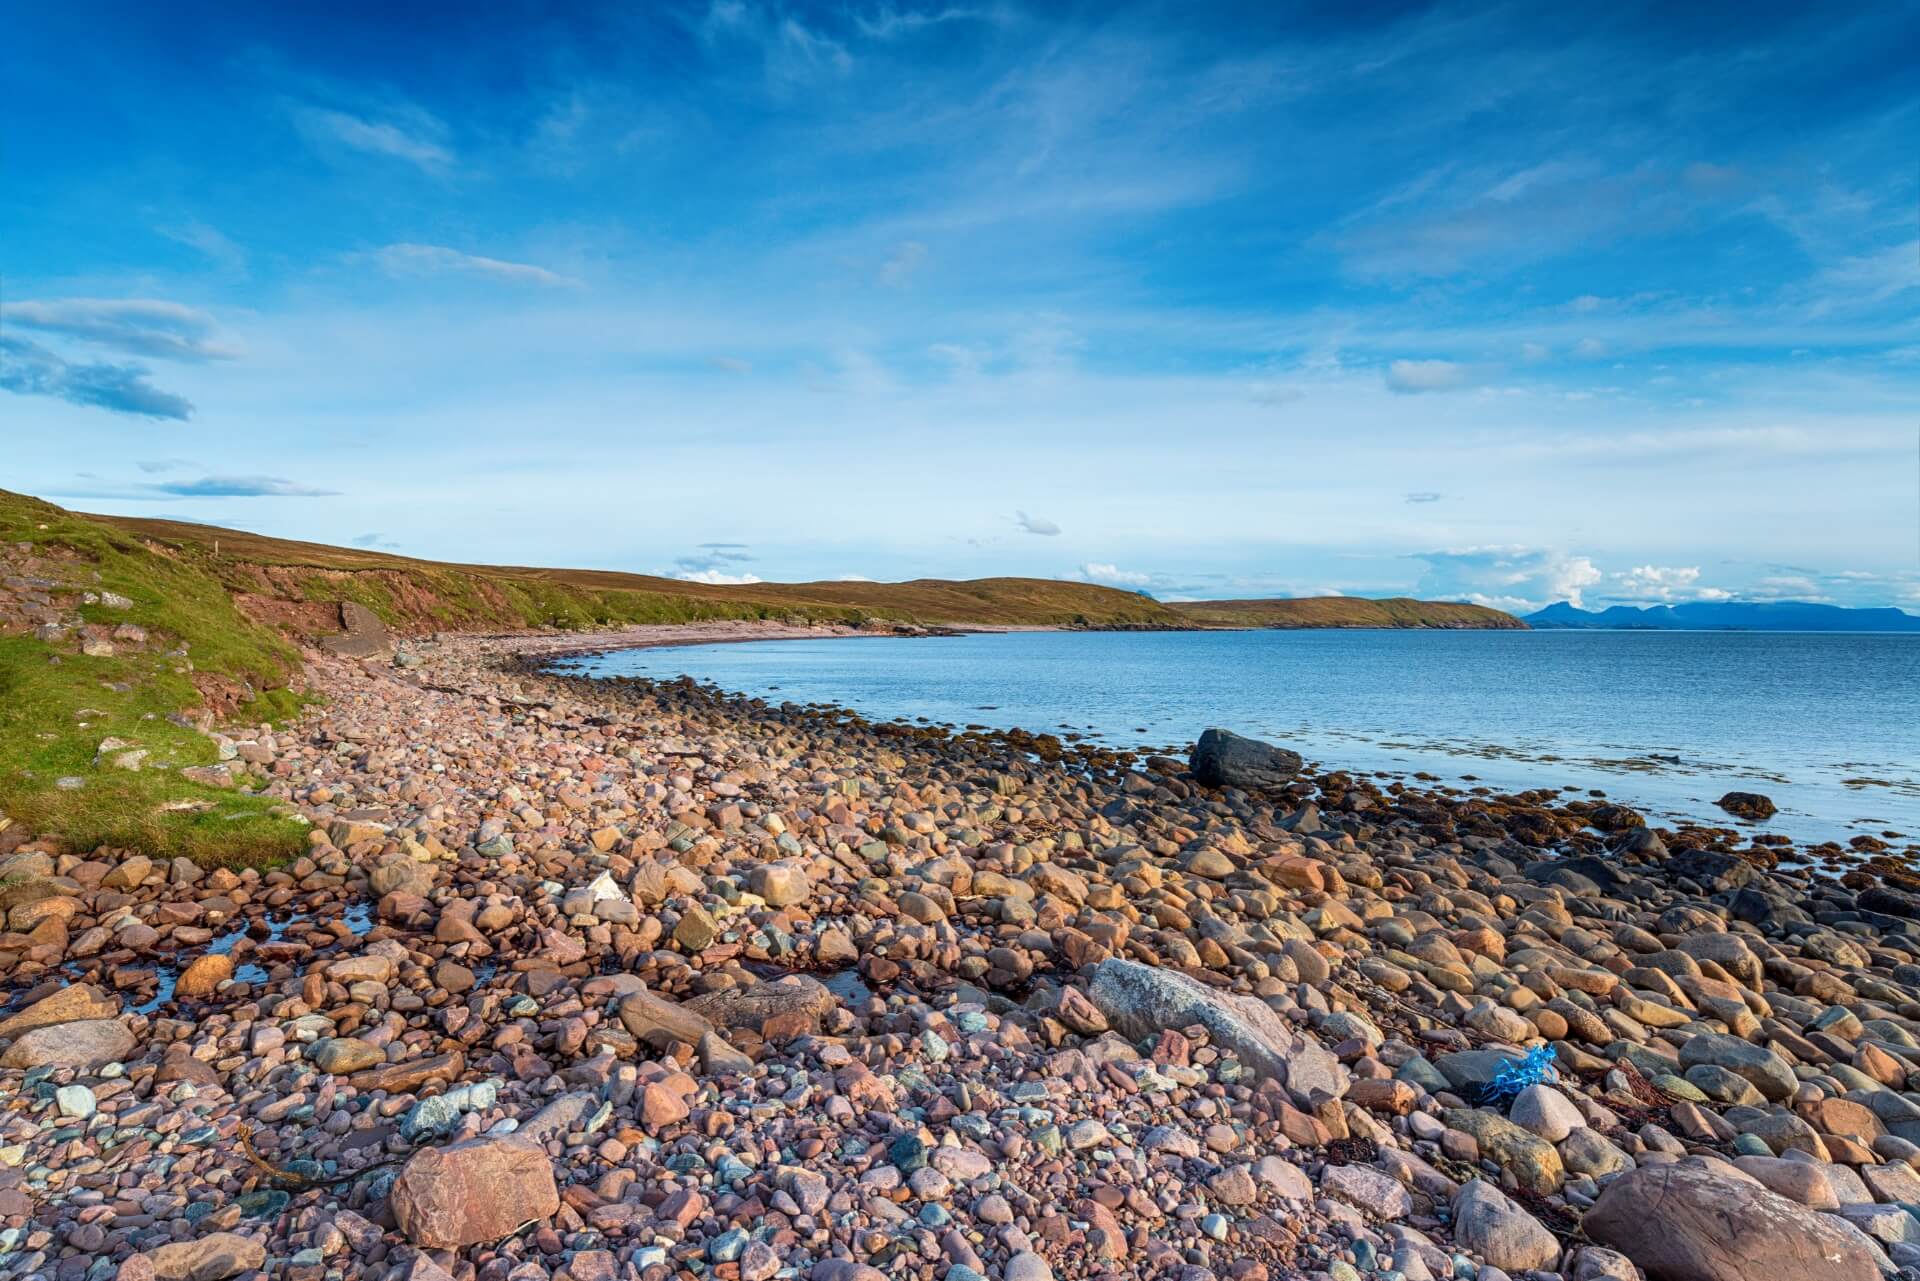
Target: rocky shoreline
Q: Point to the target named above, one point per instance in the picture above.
(632, 979)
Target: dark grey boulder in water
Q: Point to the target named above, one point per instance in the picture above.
(1747, 805)
(1223, 758)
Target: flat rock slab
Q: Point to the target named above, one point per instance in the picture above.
(82, 1001)
(1141, 1001)
(83, 1044)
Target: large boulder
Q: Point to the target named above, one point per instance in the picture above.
(1767, 1071)
(69, 1005)
(658, 1022)
(1685, 1222)
(362, 634)
(76, 1045)
(467, 1193)
(213, 1257)
(1532, 1161)
(795, 1004)
(1490, 1225)
(1141, 1001)
(1223, 758)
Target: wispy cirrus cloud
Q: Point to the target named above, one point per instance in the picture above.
(239, 487)
(216, 245)
(28, 369)
(889, 23)
(419, 145)
(432, 260)
(137, 326)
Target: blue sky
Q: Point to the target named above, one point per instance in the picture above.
(1617, 304)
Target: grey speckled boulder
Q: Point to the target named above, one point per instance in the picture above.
(1142, 1001)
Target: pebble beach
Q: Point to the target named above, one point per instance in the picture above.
(634, 979)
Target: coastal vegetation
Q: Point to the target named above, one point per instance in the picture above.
(1344, 611)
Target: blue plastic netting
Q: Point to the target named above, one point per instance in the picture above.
(1536, 1068)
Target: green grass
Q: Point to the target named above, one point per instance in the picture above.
(56, 704)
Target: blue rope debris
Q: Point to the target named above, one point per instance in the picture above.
(1536, 1068)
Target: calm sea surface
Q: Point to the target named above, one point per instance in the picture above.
(1827, 725)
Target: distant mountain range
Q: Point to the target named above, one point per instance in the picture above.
(1728, 616)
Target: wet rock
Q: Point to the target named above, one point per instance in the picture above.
(1751, 805)
(203, 976)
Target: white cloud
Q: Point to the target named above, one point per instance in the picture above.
(1036, 525)
(1879, 275)
(1516, 578)
(322, 124)
(141, 326)
(1589, 349)
(715, 578)
(1113, 575)
(889, 23)
(730, 364)
(1667, 584)
(1411, 377)
(854, 578)
(424, 260)
(210, 241)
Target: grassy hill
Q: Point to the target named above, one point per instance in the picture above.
(123, 639)
(137, 645)
(419, 595)
(1343, 611)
